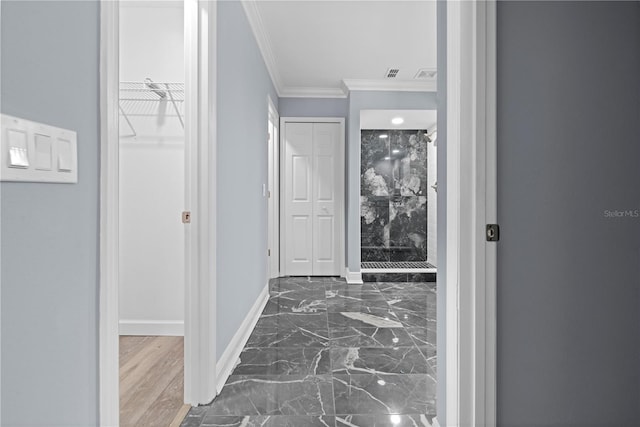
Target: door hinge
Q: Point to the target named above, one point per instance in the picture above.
(493, 232)
(268, 194)
(268, 252)
(186, 217)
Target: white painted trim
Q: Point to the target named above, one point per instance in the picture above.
(109, 213)
(471, 202)
(341, 166)
(313, 92)
(390, 85)
(152, 328)
(353, 277)
(273, 203)
(200, 199)
(230, 356)
(264, 43)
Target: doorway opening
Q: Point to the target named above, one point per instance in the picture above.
(398, 195)
(152, 188)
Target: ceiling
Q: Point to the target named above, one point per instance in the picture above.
(412, 119)
(324, 48)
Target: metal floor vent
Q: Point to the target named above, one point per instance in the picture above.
(397, 264)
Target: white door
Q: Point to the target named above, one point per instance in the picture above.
(313, 175)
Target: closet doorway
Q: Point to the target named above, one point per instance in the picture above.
(312, 200)
(151, 201)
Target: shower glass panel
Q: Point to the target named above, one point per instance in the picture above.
(393, 196)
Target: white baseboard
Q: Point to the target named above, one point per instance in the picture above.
(231, 355)
(353, 277)
(168, 328)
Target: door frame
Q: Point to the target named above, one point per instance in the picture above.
(200, 199)
(341, 210)
(471, 202)
(273, 200)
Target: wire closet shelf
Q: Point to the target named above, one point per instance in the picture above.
(145, 99)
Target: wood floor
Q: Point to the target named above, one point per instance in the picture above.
(151, 381)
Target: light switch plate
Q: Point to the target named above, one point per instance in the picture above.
(36, 152)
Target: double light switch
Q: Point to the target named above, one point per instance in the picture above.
(35, 152)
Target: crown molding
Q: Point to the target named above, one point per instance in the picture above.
(390, 85)
(313, 92)
(264, 43)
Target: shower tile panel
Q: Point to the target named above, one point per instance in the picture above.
(393, 203)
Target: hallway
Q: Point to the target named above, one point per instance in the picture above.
(325, 353)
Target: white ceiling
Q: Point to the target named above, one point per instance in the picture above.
(315, 48)
(413, 119)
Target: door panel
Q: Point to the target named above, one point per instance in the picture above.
(314, 180)
(325, 240)
(298, 204)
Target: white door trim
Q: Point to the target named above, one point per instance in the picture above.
(273, 210)
(470, 286)
(109, 213)
(201, 149)
(342, 209)
(200, 143)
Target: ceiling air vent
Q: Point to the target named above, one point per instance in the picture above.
(392, 73)
(425, 74)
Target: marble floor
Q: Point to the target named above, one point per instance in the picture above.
(325, 353)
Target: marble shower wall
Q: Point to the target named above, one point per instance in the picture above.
(393, 195)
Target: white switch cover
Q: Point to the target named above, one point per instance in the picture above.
(44, 155)
(18, 152)
(36, 152)
(65, 157)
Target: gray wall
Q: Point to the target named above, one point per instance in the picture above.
(369, 100)
(313, 107)
(243, 86)
(568, 277)
(50, 54)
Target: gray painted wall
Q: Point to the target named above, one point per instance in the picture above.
(313, 107)
(568, 277)
(243, 86)
(50, 54)
(369, 100)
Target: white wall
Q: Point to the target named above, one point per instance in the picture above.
(152, 177)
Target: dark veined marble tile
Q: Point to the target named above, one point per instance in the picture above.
(355, 300)
(296, 303)
(370, 253)
(268, 421)
(418, 303)
(393, 420)
(352, 290)
(292, 337)
(286, 321)
(422, 277)
(385, 394)
(194, 417)
(384, 277)
(379, 361)
(374, 222)
(275, 395)
(284, 361)
(299, 294)
(356, 336)
(376, 318)
(410, 288)
(425, 338)
(301, 283)
(412, 319)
